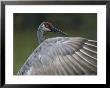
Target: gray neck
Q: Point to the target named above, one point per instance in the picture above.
(40, 35)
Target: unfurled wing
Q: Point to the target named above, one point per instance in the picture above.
(63, 56)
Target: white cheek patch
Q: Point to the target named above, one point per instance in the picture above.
(44, 28)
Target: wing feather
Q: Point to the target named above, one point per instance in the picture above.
(62, 56)
(65, 65)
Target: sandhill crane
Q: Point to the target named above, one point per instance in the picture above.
(61, 55)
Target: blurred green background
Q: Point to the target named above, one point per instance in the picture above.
(26, 24)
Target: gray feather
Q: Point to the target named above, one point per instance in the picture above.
(62, 56)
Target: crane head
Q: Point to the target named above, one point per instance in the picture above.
(48, 27)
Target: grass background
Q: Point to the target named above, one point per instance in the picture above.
(26, 24)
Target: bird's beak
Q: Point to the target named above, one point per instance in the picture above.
(54, 29)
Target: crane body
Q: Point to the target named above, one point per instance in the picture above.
(61, 55)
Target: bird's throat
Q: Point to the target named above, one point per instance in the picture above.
(40, 36)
